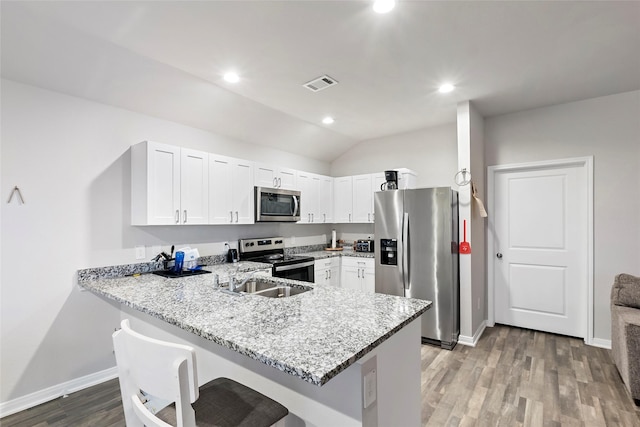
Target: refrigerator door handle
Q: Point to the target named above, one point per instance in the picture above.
(406, 279)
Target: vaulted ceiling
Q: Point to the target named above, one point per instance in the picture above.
(167, 58)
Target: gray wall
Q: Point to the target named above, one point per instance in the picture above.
(609, 129)
(431, 152)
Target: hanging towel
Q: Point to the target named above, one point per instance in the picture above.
(479, 204)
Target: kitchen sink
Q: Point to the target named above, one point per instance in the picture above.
(254, 286)
(267, 289)
(281, 292)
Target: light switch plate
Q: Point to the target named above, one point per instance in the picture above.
(140, 252)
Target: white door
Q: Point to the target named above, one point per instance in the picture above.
(540, 247)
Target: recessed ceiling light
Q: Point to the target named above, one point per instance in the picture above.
(232, 77)
(328, 120)
(446, 88)
(383, 6)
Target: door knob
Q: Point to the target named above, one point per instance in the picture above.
(499, 255)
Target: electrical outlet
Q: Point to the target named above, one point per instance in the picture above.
(370, 388)
(140, 252)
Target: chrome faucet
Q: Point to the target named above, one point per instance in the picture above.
(233, 281)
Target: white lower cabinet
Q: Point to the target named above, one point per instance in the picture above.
(327, 271)
(358, 273)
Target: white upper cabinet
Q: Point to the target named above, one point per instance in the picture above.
(194, 186)
(343, 199)
(231, 195)
(316, 198)
(362, 198)
(172, 185)
(308, 186)
(364, 186)
(325, 200)
(271, 176)
(169, 185)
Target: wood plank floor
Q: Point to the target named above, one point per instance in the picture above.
(514, 377)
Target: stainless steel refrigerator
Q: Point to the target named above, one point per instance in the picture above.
(417, 255)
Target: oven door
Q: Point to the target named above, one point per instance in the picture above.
(299, 271)
(277, 205)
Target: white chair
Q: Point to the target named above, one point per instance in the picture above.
(167, 371)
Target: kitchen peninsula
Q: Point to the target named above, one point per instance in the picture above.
(311, 352)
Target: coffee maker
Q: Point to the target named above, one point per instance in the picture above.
(392, 181)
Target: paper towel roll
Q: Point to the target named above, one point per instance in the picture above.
(333, 239)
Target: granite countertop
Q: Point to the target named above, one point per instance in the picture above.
(314, 335)
(332, 254)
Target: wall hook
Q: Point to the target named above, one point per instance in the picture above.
(14, 191)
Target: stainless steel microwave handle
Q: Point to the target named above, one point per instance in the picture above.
(294, 266)
(295, 205)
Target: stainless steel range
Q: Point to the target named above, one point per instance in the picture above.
(271, 250)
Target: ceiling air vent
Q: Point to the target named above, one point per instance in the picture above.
(320, 83)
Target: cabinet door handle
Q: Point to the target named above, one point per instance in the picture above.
(349, 217)
(368, 217)
(312, 218)
(308, 217)
(275, 182)
(230, 216)
(329, 273)
(279, 182)
(237, 217)
(185, 216)
(324, 217)
(177, 216)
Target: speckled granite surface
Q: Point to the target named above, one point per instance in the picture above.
(314, 335)
(111, 272)
(331, 254)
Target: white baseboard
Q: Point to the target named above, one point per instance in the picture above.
(30, 400)
(472, 341)
(599, 342)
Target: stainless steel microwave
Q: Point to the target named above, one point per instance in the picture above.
(277, 205)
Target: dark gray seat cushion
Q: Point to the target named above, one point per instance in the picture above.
(226, 403)
(626, 291)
